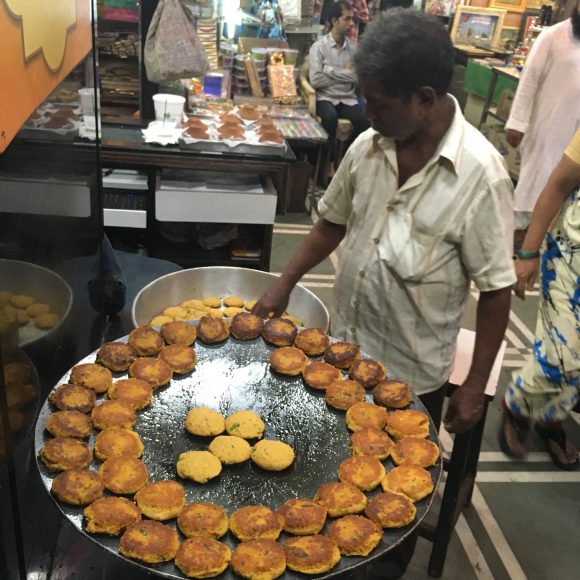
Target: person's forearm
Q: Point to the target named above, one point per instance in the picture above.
(493, 310)
(322, 240)
(561, 184)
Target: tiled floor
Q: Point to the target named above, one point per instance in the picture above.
(523, 521)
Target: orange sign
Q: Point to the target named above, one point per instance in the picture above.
(42, 42)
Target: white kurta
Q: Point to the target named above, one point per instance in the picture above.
(546, 109)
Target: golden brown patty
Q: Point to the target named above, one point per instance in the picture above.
(152, 370)
(231, 311)
(113, 414)
(391, 510)
(245, 424)
(408, 423)
(135, 392)
(280, 332)
(116, 356)
(62, 453)
(199, 466)
(202, 557)
(355, 535)
(259, 560)
(230, 450)
(302, 517)
(368, 372)
(203, 520)
(288, 360)
(364, 471)
(179, 332)
(343, 394)
(205, 422)
(272, 455)
(311, 554)
(36, 309)
(342, 355)
(150, 542)
(69, 424)
(46, 320)
(366, 415)
(21, 300)
(246, 326)
(415, 451)
(249, 305)
(255, 522)
(92, 376)
(161, 500)
(371, 442)
(73, 398)
(116, 442)
(392, 394)
(18, 396)
(234, 301)
(340, 499)
(16, 373)
(111, 515)
(145, 341)
(212, 301)
(319, 375)
(124, 475)
(77, 486)
(180, 358)
(415, 482)
(211, 329)
(161, 320)
(312, 341)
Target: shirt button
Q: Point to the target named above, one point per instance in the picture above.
(361, 274)
(389, 208)
(376, 240)
(353, 329)
(357, 304)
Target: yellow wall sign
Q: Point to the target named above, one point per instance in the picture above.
(42, 42)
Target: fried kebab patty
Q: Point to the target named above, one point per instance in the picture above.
(312, 341)
(203, 520)
(280, 332)
(124, 475)
(246, 326)
(116, 356)
(113, 414)
(311, 554)
(182, 359)
(69, 424)
(154, 371)
(69, 397)
(202, 557)
(255, 522)
(63, 453)
(145, 341)
(259, 560)
(318, 375)
(355, 535)
(288, 360)
(368, 372)
(111, 515)
(391, 510)
(135, 392)
(363, 471)
(161, 500)
(116, 442)
(92, 376)
(179, 332)
(302, 517)
(150, 542)
(77, 486)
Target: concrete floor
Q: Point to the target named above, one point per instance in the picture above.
(524, 516)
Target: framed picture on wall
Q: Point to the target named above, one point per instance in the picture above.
(440, 7)
(527, 20)
(477, 26)
(511, 5)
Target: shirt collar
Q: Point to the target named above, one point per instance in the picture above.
(333, 42)
(450, 146)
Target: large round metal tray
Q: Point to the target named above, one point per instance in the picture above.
(222, 281)
(46, 286)
(230, 377)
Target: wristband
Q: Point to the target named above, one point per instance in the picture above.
(527, 255)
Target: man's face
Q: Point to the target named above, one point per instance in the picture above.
(343, 25)
(395, 117)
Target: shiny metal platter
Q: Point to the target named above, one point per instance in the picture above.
(230, 377)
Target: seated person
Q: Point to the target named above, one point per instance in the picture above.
(332, 75)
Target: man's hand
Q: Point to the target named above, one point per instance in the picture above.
(465, 407)
(514, 138)
(527, 273)
(273, 302)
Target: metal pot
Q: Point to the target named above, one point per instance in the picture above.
(248, 284)
(46, 286)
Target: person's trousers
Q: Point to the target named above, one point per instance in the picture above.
(329, 115)
(395, 562)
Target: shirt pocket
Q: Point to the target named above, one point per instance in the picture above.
(404, 249)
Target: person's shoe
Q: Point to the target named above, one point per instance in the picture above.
(556, 435)
(514, 435)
